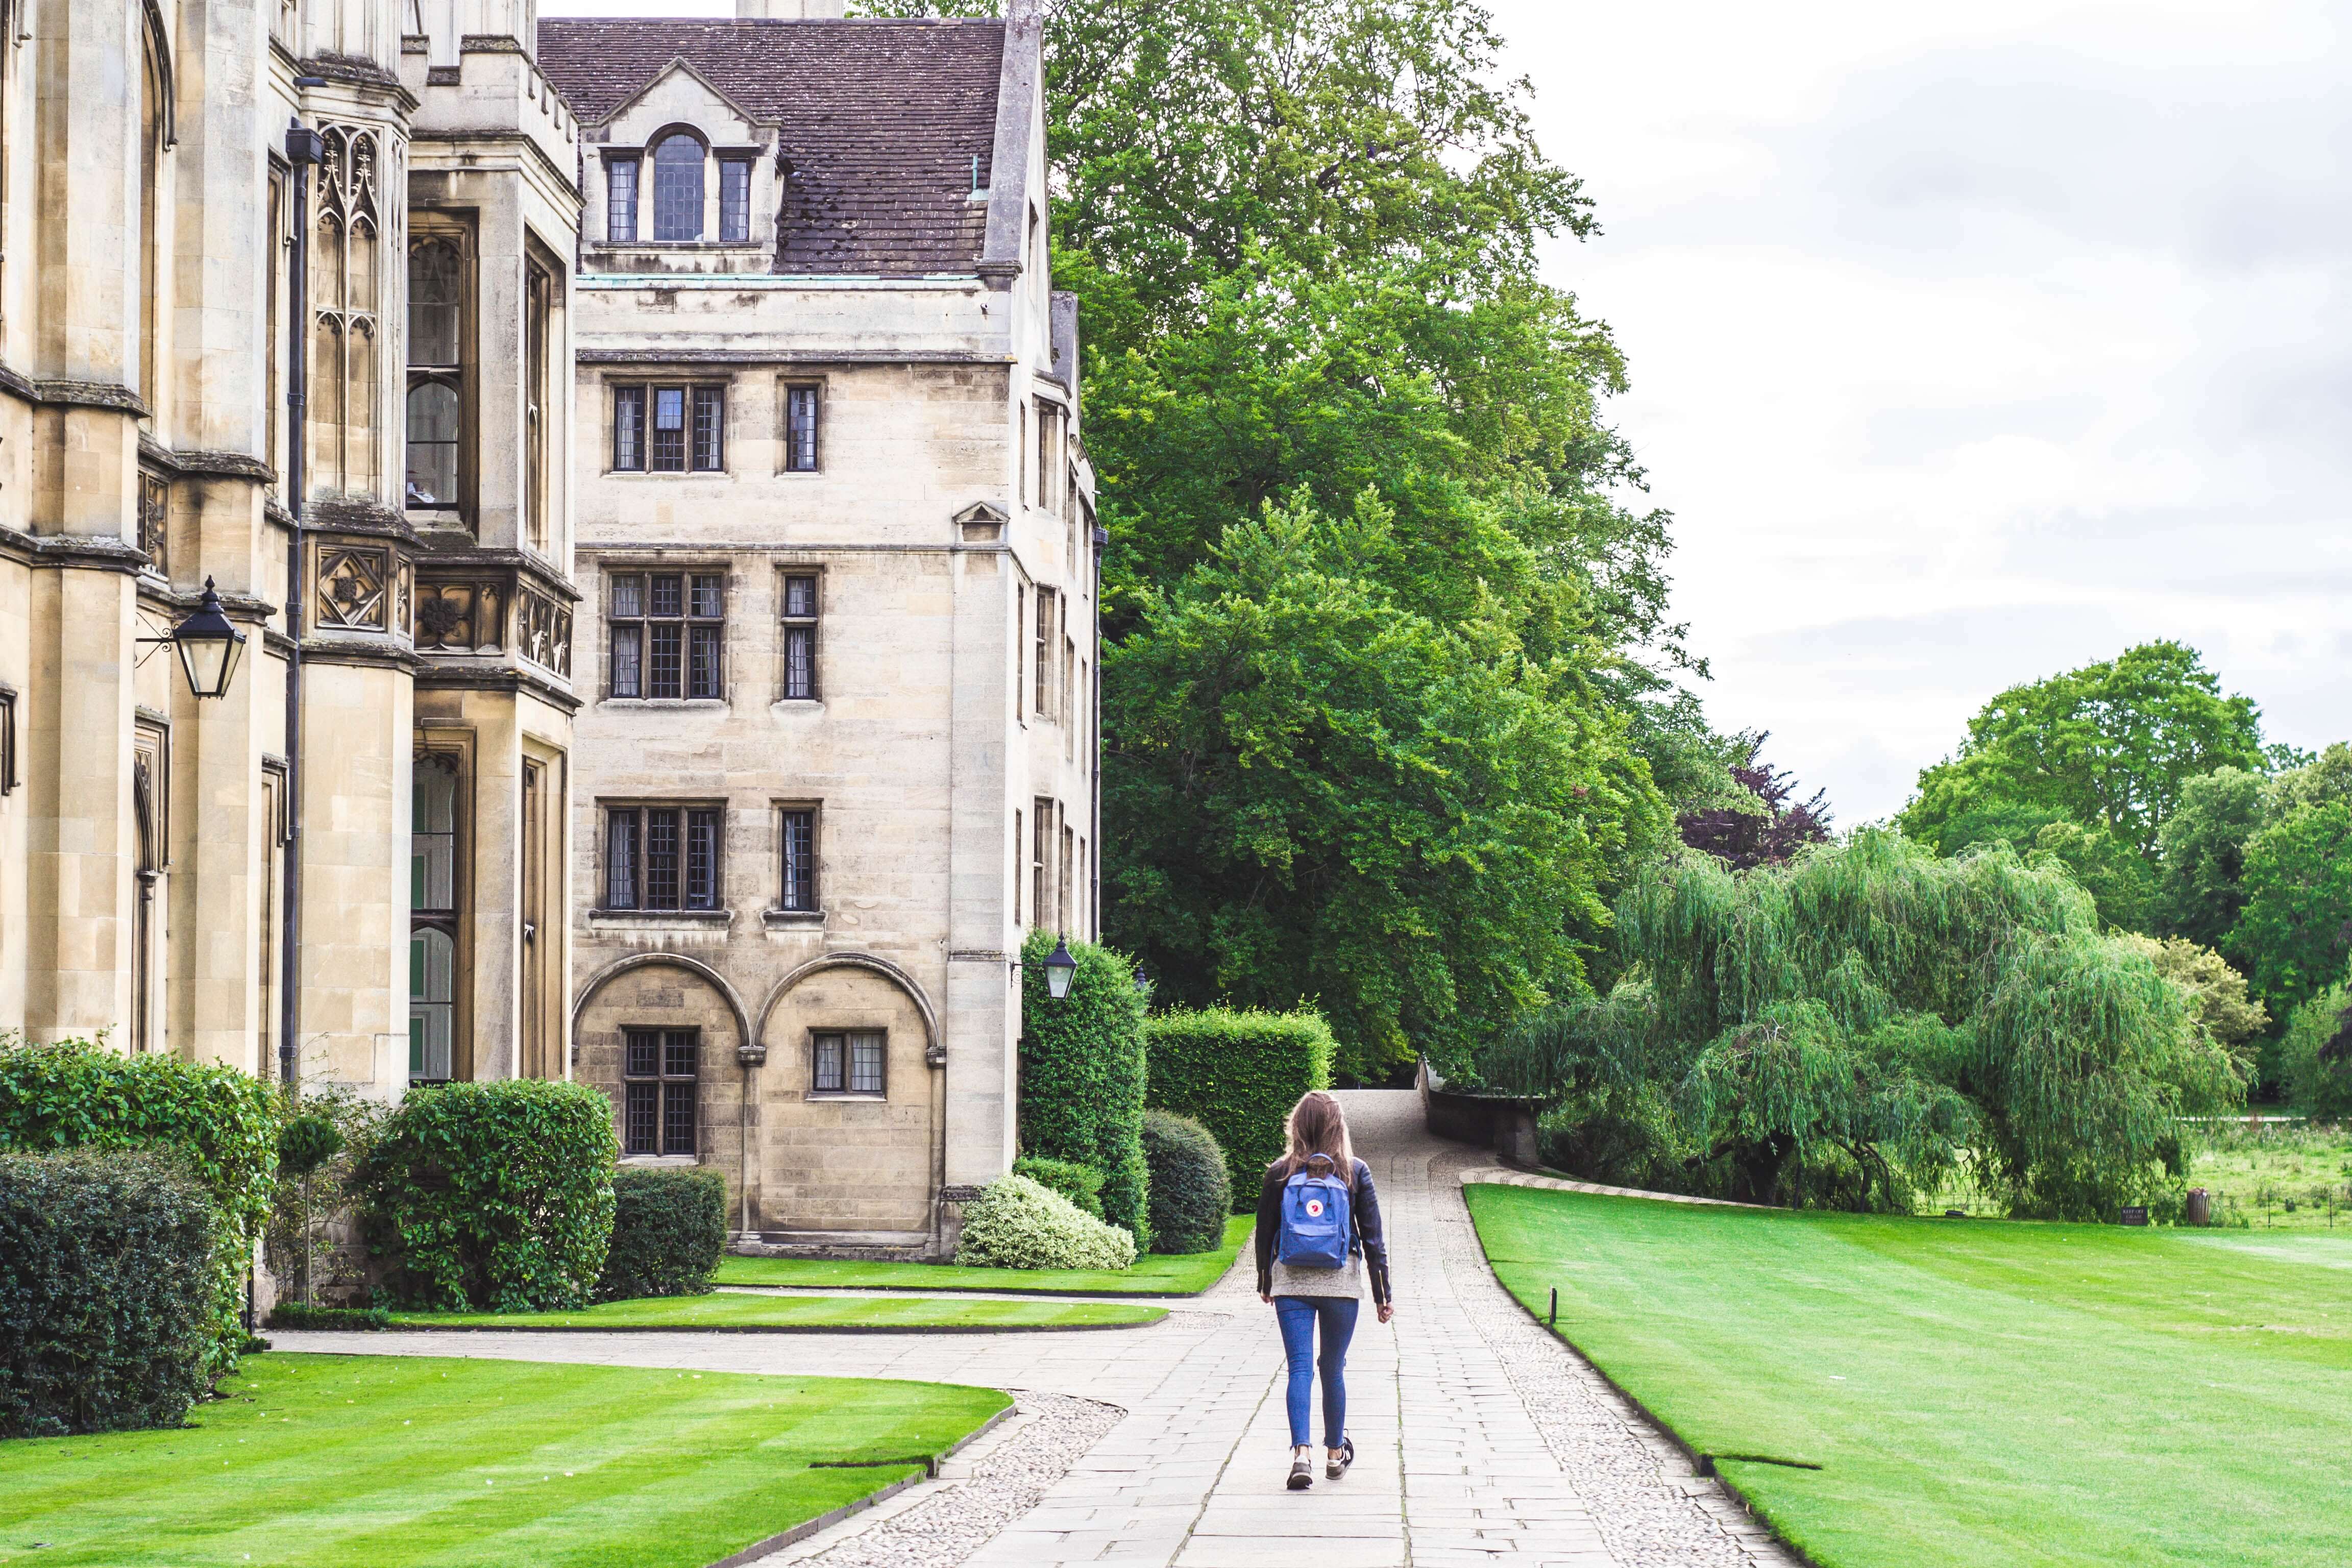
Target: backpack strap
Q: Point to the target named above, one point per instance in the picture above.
(1330, 1164)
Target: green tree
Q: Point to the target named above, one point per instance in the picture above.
(1324, 796)
(2216, 994)
(2112, 745)
(1842, 1029)
(2201, 849)
(1082, 1075)
(2297, 925)
(2317, 1054)
(2116, 878)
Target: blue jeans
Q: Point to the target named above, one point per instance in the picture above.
(1298, 1315)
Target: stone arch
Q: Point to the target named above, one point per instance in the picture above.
(932, 1042)
(695, 967)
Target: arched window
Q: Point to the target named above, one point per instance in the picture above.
(153, 89)
(677, 187)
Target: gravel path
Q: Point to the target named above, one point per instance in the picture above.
(1480, 1436)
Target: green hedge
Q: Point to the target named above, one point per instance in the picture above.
(107, 1291)
(295, 1315)
(220, 1124)
(491, 1197)
(669, 1230)
(1191, 1192)
(1082, 1075)
(1075, 1180)
(1238, 1074)
(1018, 1224)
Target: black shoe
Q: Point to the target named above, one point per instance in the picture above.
(1302, 1475)
(1334, 1469)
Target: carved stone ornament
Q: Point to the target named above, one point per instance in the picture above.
(543, 631)
(154, 518)
(353, 586)
(403, 611)
(461, 617)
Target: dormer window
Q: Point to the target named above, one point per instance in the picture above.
(734, 199)
(677, 189)
(621, 201)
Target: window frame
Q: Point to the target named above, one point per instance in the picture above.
(645, 395)
(845, 1076)
(1042, 637)
(639, 815)
(665, 1086)
(793, 449)
(699, 634)
(701, 166)
(427, 229)
(811, 857)
(8, 780)
(793, 628)
(615, 165)
(734, 207)
(448, 922)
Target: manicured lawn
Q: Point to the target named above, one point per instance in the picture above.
(405, 1462)
(728, 1311)
(1975, 1392)
(1154, 1274)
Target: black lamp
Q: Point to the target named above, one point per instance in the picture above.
(209, 646)
(1059, 967)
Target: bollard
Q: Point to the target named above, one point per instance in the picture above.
(1553, 1321)
(2199, 1209)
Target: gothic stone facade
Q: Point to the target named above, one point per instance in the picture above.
(838, 647)
(173, 268)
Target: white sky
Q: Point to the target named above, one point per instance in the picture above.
(1970, 343)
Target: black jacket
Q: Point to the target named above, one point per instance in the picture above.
(1363, 1208)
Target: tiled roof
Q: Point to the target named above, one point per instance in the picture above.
(880, 122)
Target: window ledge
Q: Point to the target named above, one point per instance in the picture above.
(660, 702)
(785, 919)
(844, 1094)
(637, 919)
(812, 704)
(661, 1160)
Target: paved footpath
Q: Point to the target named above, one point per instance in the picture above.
(1479, 1438)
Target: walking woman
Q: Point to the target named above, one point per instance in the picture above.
(1319, 1234)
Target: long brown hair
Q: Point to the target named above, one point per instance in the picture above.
(1317, 1125)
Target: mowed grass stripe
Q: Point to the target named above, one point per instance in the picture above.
(726, 1311)
(1154, 1274)
(1976, 1392)
(323, 1461)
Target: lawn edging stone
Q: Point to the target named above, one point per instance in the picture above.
(1702, 1462)
(832, 1517)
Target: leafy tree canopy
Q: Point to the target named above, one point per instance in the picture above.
(1847, 1027)
(2298, 926)
(1768, 826)
(2216, 993)
(1324, 794)
(2102, 866)
(2112, 745)
(2202, 851)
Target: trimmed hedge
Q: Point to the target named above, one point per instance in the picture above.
(1018, 1224)
(1082, 1073)
(1191, 1193)
(491, 1197)
(1079, 1182)
(669, 1230)
(295, 1315)
(220, 1125)
(1238, 1073)
(109, 1291)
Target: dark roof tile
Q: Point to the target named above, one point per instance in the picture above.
(879, 121)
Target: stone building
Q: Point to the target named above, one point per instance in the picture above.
(838, 557)
(286, 302)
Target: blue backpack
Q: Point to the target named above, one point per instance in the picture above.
(1317, 1231)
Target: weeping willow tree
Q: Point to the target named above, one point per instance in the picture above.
(1858, 1025)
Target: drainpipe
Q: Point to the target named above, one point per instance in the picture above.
(303, 148)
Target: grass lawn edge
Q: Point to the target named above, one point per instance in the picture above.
(1240, 1226)
(1701, 1463)
(401, 1325)
(826, 1521)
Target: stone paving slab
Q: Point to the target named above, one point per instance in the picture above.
(1480, 1437)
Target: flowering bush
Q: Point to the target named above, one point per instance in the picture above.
(1019, 1224)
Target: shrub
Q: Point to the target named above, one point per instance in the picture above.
(1238, 1074)
(2317, 1055)
(109, 1291)
(220, 1124)
(1018, 1224)
(1075, 1180)
(1191, 1192)
(318, 1150)
(295, 1315)
(491, 1196)
(1082, 1073)
(670, 1228)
